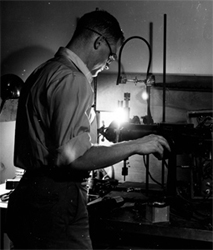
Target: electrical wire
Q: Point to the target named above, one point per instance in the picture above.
(149, 119)
(145, 164)
(120, 52)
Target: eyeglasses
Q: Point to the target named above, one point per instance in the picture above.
(112, 56)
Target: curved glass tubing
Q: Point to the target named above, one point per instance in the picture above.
(119, 78)
(149, 77)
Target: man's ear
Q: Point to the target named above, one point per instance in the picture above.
(98, 42)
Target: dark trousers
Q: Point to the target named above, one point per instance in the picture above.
(46, 213)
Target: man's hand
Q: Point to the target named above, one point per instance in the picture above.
(152, 144)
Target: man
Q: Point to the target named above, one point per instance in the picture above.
(48, 209)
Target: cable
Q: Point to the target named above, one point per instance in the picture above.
(120, 52)
(150, 173)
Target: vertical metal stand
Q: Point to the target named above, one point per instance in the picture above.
(171, 177)
(95, 93)
(164, 88)
(164, 69)
(147, 174)
(148, 107)
(162, 173)
(151, 40)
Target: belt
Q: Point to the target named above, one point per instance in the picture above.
(59, 173)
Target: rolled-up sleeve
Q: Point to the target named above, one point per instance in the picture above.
(70, 100)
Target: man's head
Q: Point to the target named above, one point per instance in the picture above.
(96, 40)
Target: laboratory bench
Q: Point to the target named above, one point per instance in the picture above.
(121, 221)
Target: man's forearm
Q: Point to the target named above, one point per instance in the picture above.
(103, 156)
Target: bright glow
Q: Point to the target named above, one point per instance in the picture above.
(144, 95)
(120, 116)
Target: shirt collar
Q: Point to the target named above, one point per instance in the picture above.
(77, 61)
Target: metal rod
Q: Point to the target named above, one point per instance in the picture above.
(150, 120)
(147, 174)
(151, 41)
(162, 173)
(164, 68)
(171, 176)
(164, 89)
(95, 93)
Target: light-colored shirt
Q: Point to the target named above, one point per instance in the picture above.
(53, 118)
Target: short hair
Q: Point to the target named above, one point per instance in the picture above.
(102, 22)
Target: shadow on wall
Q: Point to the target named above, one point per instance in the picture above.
(20, 63)
(24, 61)
(7, 134)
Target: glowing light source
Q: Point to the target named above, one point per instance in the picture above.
(120, 116)
(145, 95)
